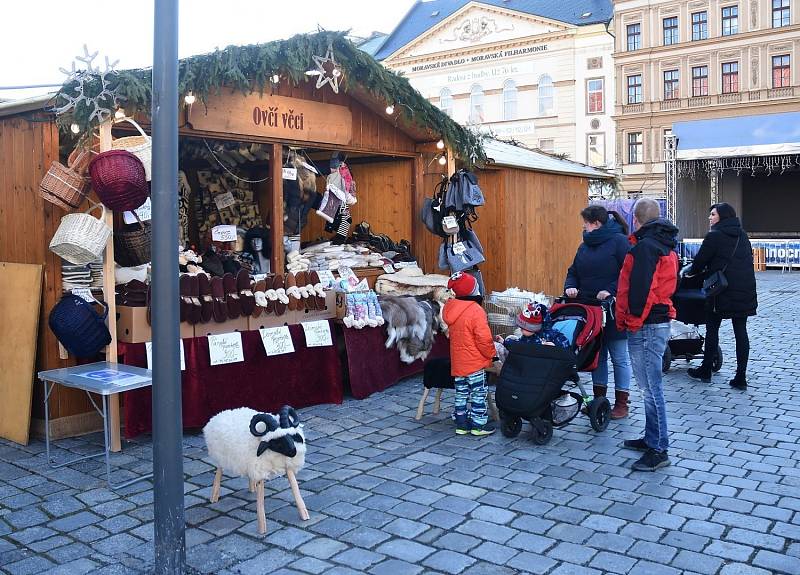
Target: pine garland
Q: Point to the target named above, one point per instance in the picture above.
(249, 68)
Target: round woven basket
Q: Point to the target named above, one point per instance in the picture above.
(132, 245)
(119, 179)
(79, 328)
(81, 238)
(66, 186)
(140, 146)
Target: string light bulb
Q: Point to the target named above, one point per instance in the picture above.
(275, 78)
(119, 114)
(440, 144)
(390, 109)
(75, 128)
(336, 72)
(442, 160)
(189, 98)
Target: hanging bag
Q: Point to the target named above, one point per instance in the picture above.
(81, 238)
(140, 146)
(463, 253)
(66, 186)
(132, 245)
(78, 326)
(433, 211)
(717, 283)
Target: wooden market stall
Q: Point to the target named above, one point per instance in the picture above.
(274, 95)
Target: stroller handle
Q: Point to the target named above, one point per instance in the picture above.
(584, 298)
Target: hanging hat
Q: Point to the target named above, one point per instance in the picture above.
(463, 285)
(532, 317)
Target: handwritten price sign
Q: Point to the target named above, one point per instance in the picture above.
(225, 348)
(149, 348)
(318, 333)
(277, 340)
(223, 233)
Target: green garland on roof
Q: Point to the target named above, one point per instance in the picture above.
(249, 68)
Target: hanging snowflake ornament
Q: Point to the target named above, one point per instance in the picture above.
(88, 89)
(327, 71)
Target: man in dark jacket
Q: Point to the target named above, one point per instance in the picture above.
(644, 308)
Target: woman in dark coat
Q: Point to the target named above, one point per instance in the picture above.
(726, 244)
(594, 272)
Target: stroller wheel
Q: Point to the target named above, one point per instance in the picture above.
(510, 426)
(716, 363)
(666, 361)
(542, 431)
(599, 413)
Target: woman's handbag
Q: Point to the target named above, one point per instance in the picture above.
(461, 255)
(79, 328)
(717, 283)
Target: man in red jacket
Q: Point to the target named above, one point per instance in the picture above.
(644, 308)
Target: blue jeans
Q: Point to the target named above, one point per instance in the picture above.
(618, 348)
(646, 348)
(471, 389)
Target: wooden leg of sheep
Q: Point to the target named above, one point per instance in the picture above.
(301, 506)
(492, 406)
(252, 486)
(421, 408)
(437, 401)
(215, 487)
(262, 518)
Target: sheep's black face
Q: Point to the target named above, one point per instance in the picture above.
(264, 423)
(283, 445)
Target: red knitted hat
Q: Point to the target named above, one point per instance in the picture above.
(463, 285)
(532, 317)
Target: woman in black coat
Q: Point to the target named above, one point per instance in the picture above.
(726, 248)
(595, 272)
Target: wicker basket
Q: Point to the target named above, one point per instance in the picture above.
(118, 178)
(502, 312)
(132, 245)
(78, 326)
(66, 186)
(140, 146)
(81, 238)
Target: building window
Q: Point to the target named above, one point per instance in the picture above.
(672, 85)
(476, 104)
(509, 100)
(596, 149)
(594, 96)
(635, 89)
(547, 145)
(781, 71)
(699, 81)
(546, 96)
(730, 20)
(670, 31)
(634, 37)
(699, 26)
(446, 101)
(635, 148)
(780, 13)
(730, 77)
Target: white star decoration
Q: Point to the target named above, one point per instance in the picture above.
(327, 70)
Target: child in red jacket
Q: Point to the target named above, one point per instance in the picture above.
(471, 352)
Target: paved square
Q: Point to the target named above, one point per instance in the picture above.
(389, 495)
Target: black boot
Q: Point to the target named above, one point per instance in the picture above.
(702, 373)
(739, 381)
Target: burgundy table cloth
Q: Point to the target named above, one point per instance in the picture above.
(309, 376)
(373, 368)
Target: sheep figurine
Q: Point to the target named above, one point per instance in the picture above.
(258, 446)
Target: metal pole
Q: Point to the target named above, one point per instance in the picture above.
(169, 521)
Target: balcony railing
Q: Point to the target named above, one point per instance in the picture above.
(786, 92)
(731, 98)
(698, 101)
(714, 100)
(672, 104)
(633, 109)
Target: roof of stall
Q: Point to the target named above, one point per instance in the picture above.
(512, 156)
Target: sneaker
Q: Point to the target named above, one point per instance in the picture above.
(635, 444)
(703, 375)
(651, 461)
(462, 425)
(486, 429)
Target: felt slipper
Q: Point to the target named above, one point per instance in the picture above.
(232, 301)
(186, 300)
(280, 303)
(218, 293)
(319, 291)
(206, 300)
(303, 289)
(195, 310)
(246, 297)
(293, 292)
(148, 305)
(260, 297)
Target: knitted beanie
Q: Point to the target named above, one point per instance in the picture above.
(463, 285)
(532, 317)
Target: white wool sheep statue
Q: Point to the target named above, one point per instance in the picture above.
(258, 446)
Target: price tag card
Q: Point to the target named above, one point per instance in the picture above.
(144, 212)
(149, 347)
(346, 273)
(309, 167)
(326, 278)
(289, 173)
(277, 340)
(318, 333)
(449, 222)
(459, 248)
(225, 348)
(388, 268)
(401, 265)
(84, 293)
(223, 233)
(225, 200)
(361, 286)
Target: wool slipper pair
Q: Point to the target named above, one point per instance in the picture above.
(232, 301)
(220, 310)
(245, 288)
(206, 298)
(190, 310)
(259, 298)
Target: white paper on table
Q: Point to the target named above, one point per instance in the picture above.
(277, 340)
(318, 333)
(225, 348)
(149, 346)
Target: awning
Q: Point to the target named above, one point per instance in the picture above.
(762, 135)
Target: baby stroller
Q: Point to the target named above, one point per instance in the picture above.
(685, 342)
(530, 385)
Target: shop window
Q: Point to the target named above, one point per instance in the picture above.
(699, 81)
(634, 37)
(635, 148)
(546, 107)
(699, 25)
(730, 77)
(446, 101)
(509, 100)
(476, 105)
(596, 149)
(730, 20)
(781, 14)
(672, 85)
(670, 30)
(635, 89)
(594, 96)
(781, 71)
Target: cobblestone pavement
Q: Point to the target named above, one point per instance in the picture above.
(389, 495)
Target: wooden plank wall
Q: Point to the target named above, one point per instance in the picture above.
(491, 229)
(27, 223)
(425, 244)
